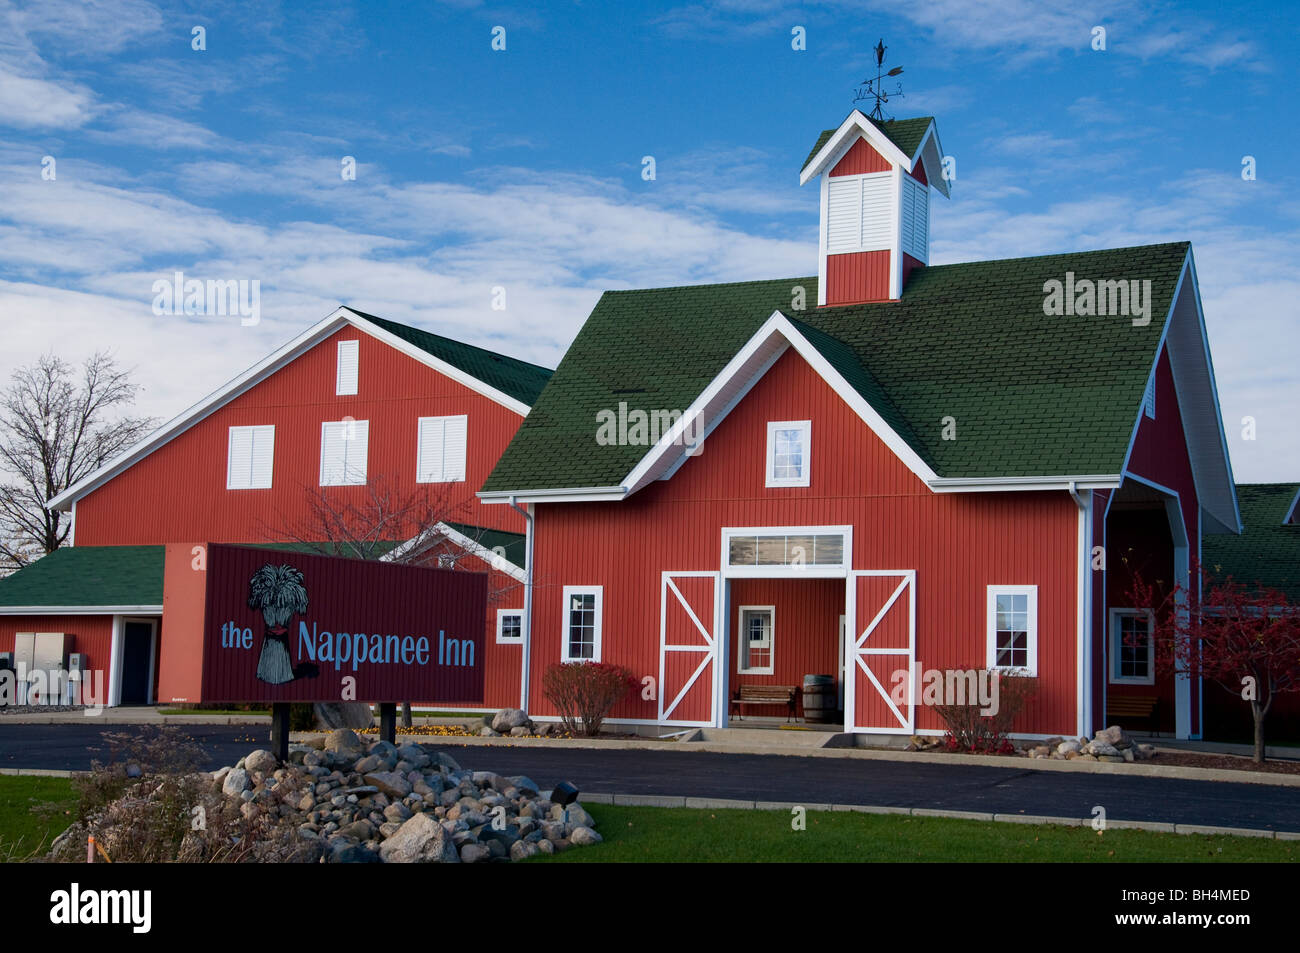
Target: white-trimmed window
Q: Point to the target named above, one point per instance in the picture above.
(345, 377)
(250, 456)
(754, 646)
(344, 448)
(1013, 628)
(582, 611)
(510, 626)
(1149, 399)
(1132, 647)
(441, 450)
(789, 443)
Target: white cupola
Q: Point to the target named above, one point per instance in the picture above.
(876, 178)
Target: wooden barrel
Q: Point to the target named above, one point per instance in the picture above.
(819, 704)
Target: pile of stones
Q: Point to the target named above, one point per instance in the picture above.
(1111, 744)
(377, 802)
(515, 723)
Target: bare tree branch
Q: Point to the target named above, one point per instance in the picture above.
(57, 426)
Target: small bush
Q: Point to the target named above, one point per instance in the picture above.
(968, 730)
(584, 693)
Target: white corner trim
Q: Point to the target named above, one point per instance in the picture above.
(253, 376)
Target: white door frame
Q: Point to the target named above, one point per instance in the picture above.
(117, 650)
(855, 651)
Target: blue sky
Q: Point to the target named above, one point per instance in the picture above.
(522, 168)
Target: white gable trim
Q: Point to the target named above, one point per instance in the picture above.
(1182, 386)
(1290, 510)
(844, 137)
(259, 372)
(470, 545)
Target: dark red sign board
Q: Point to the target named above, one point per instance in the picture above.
(282, 626)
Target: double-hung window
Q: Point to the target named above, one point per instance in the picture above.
(1132, 647)
(788, 450)
(1013, 628)
(582, 612)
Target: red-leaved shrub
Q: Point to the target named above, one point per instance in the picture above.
(584, 693)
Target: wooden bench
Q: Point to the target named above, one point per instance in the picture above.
(1127, 707)
(766, 695)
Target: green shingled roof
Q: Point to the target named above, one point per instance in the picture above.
(1032, 395)
(518, 379)
(1267, 552)
(512, 544)
(88, 576)
(904, 133)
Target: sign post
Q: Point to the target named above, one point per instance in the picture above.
(280, 730)
(388, 722)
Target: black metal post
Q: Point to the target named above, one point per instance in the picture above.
(280, 730)
(388, 722)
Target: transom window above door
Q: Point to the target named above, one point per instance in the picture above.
(785, 551)
(788, 449)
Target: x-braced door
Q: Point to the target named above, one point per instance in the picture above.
(882, 654)
(688, 647)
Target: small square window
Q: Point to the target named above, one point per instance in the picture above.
(788, 449)
(510, 626)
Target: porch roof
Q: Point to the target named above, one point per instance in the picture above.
(88, 576)
(1267, 552)
(1033, 395)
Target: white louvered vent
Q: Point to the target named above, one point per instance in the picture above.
(916, 219)
(859, 212)
(250, 457)
(344, 448)
(346, 377)
(442, 450)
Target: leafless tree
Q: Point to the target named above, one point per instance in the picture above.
(58, 424)
(384, 520)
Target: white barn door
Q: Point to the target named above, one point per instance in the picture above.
(880, 655)
(689, 613)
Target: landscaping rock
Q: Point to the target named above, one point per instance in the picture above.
(509, 718)
(390, 782)
(345, 741)
(235, 783)
(421, 840)
(261, 760)
(584, 836)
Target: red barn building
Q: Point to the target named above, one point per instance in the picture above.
(885, 469)
(355, 416)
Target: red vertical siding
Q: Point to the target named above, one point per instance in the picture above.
(957, 543)
(91, 635)
(918, 173)
(1160, 454)
(860, 159)
(857, 277)
(179, 491)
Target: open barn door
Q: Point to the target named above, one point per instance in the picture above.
(688, 647)
(882, 643)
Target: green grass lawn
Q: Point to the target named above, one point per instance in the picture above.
(674, 835)
(33, 811)
(36, 809)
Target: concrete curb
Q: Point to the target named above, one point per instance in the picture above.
(872, 754)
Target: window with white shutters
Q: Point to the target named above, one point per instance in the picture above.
(859, 212)
(916, 219)
(344, 447)
(441, 450)
(249, 458)
(345, 380)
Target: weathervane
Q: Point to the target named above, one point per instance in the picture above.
(875, 88)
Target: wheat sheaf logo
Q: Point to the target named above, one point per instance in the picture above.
(278, 592)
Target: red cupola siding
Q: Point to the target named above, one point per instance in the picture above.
(875, 205)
